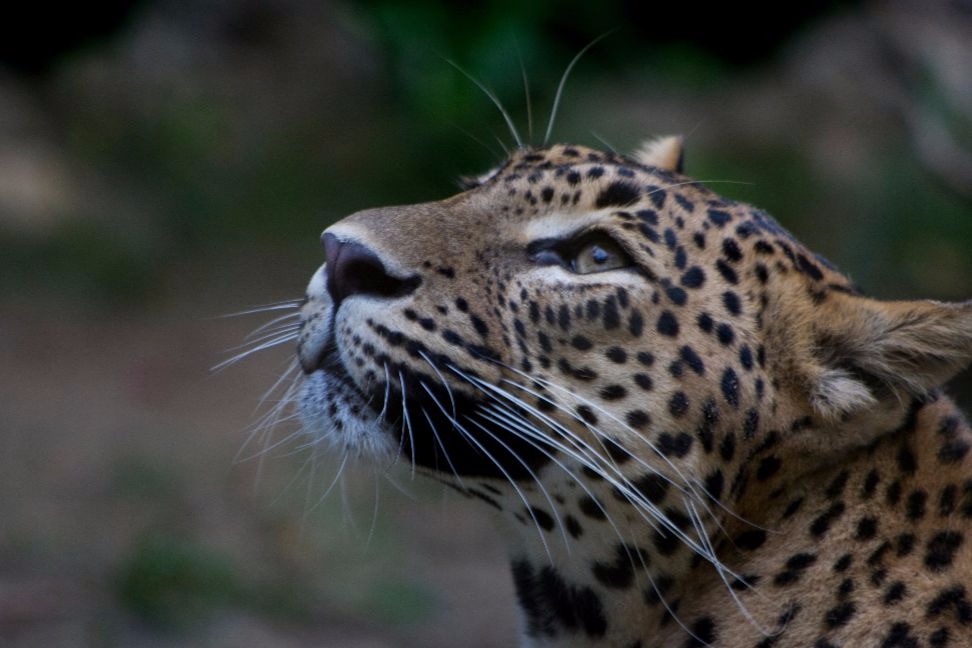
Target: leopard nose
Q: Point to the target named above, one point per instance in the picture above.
(355, 269)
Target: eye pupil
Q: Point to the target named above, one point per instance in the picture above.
(599, 254)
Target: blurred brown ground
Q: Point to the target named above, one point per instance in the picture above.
(130, 515)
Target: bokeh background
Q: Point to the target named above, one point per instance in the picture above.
(163, 163)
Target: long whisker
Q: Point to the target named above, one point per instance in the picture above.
(407, 422)
(281, 305)
(280, 339)
(494, 99)
(563, 82)
(526, 94)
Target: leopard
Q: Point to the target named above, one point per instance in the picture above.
(691, 430)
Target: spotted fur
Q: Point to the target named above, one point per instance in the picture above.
(717, 440)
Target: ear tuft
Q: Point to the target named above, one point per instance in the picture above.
(663, 152)
(836, 394)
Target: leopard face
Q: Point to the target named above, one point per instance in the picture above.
(639, 374)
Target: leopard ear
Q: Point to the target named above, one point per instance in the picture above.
(869, 349)
(662, 152)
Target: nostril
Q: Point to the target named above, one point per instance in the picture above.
(355, 269)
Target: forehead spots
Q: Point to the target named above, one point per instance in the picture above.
(619, 193)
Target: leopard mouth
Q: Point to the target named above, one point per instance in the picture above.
(411, 415)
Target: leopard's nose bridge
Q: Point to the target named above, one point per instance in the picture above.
(354, 268)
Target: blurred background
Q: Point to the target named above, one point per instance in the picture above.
(165, 163)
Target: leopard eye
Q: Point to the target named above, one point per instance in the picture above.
(598, 255)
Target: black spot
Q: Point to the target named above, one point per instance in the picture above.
(768, 467)
(694, 277)
(941, 549)
(647, 215)
(730, 387)
(794, 568)
(591, 507)
(870, 484)
(906, 460)
(719, 217)
(843, 563)
(612, 319)
(725, 334)
(655, 592)
(727, 272)
(573, 526)
(613, 392)
(667, 324)
(581, 343)
(839, 615)
(702, 633)
(807, 267)
(845, 588)
(637, 419)
(593, 309)
(899, 636)
(657, 195)
(547, 194)
(939, 638)
(653, 487)
(893, 493)
(616, 354)
(636, 323)
(746, 357)
(751, 424)
(730, 249)
(617, 194)
(822, 523)
(665, 542)
(953, 598)
(731, 301)
(643, 380)
(677, 295)
(646, 358)
(878, 554)
(678, 404)
(836, 486)
(704, 322)
(895, 592)
(953, 451)
(751, 539)
(619, 574)
(866, 528)
(906, 543)
(675, 445)
(792, 508)
(915, 504)
(692, 359)
(671, 241)
(727, 447)
(946, 500)
(714, 484)
(586, 414)
(541, 517)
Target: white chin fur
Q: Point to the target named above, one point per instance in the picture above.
(361, 434)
